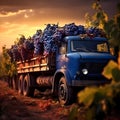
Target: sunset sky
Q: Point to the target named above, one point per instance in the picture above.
(26, 16)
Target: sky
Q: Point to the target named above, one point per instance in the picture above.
(24, 17)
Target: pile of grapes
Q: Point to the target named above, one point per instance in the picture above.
(47, 41)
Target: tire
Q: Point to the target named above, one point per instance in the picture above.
(14, 83)
(28, 90)
(65, 93)
(20, 84)
(10, 82)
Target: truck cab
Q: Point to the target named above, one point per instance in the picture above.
(79, 63)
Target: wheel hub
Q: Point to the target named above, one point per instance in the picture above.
(62, 92)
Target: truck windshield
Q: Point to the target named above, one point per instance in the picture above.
(89, 46)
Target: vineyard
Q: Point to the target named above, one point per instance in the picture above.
(93, 103)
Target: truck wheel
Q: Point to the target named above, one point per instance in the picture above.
(14, 83)
(27, 89)
(10, 82)
(65, 93)
(20, 84)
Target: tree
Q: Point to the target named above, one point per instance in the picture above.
(99, 17)
(8, 67)
(100, 101)
(110, 26)
(112, 29)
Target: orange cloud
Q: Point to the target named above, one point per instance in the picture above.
(9, 14)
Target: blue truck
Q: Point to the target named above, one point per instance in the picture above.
(77, 62)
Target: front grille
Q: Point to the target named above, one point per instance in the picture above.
(93, 68)
(94, 71)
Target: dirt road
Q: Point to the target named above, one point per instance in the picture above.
(42, 107)
(17, 107)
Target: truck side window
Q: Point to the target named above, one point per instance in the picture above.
(62, 49)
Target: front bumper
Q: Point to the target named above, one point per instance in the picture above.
(90, 82)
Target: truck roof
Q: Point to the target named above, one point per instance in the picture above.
(79, 37)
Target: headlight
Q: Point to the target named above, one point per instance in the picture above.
(85, 71)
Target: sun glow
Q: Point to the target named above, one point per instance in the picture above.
(10, 32)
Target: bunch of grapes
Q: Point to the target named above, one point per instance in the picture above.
(38, 44)
(28, 45)
(15, 53)
(58, 36)
(95, 32)
(23, 53)
(81, 29)
(48, 39)
(71, 29)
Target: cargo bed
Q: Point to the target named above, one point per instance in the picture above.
(41, 63)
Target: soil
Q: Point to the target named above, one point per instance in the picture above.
(14, 106)
(18, 107)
